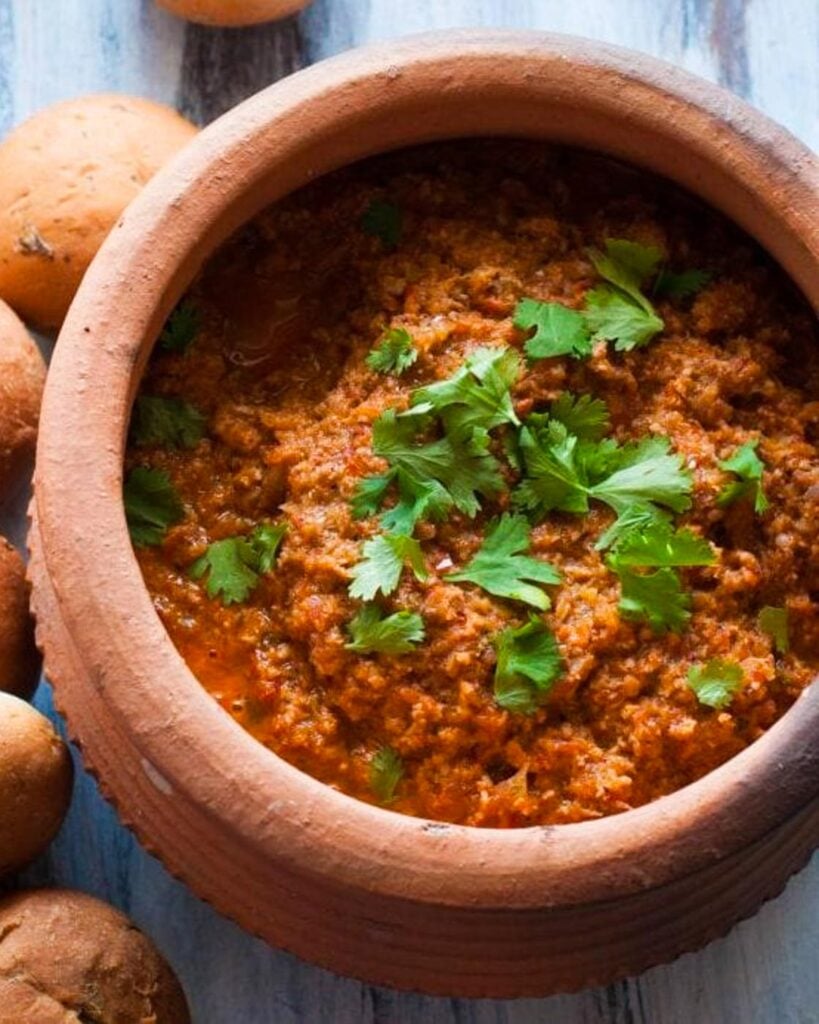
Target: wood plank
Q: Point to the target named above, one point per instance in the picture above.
(764, 972)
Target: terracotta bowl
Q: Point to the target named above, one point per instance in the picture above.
(365, 891)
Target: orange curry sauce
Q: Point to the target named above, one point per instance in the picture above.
(289, 311)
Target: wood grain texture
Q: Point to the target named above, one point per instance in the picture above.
(764, 972)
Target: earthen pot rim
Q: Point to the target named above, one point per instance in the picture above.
(366, 101)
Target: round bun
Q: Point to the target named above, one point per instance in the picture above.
(19, 657)
(22, 376)
(35, 783)
(66, 951)
(66, 175)
(229, 13)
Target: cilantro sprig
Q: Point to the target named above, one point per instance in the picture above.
(503, 568)
(382, 564)
(747, 468)
(618, 310)
(181, 328)
(152, 505)
(383, 220)
(528, 665)
(233, 566)
(716, 683)
(371, 631)
(774, 621)
(558, 330)
(438, 451)
(166, 421)
(657, 597)
(564, 471)
(394, 353)
(386, 771)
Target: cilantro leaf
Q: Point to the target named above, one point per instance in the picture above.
(266, 540)
(394, 353)
(682, 285)
(477, 395)
(386, 770)
(635, 517)
(383, 220)
(612, 316)
(646, 472)
(501, 568)
(528, 665)
(181, 328)
(382, 564)
(559, 331)
(657, 598)
(369, 494)
(581, 415)
(233, 565)
(455, 467)
(564, 471)
(228, 565)
(659, 545)
(716, 682)
(774, 622)
(746, 465)
(628, 265)
(554, 477)
(167, 421)
(417, 499)
(151, 505)
(371, 631)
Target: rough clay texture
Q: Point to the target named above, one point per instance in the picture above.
(19, 657)
(229, 13)
(66, 175)
(65, 956)
(379, 895)
(22, 376)
(36, 776)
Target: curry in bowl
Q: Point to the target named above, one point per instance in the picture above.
(478, 481)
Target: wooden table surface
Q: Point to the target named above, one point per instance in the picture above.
(765, 971)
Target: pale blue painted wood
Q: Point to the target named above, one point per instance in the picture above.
(765, 971)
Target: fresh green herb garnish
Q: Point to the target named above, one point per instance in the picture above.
(613, 316)
(372, 631)
(383, 220)
(659, 545)
(581, 415)
(502, 568)
(619, 311)
(394, 353)
(634, 518)
(657, 598)
(181, 328)
(167, 421)
(716, 682)
(628, 266)
(151, 505)
(382, 564)
(746, 465)
(559, 331)
(564, 472)
(386, 770)
(682, 285)
(528, 665)
(774, 622)
(233, 565)
(477, 396)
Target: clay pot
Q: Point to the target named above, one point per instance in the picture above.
(229, 14)
(359, 889)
